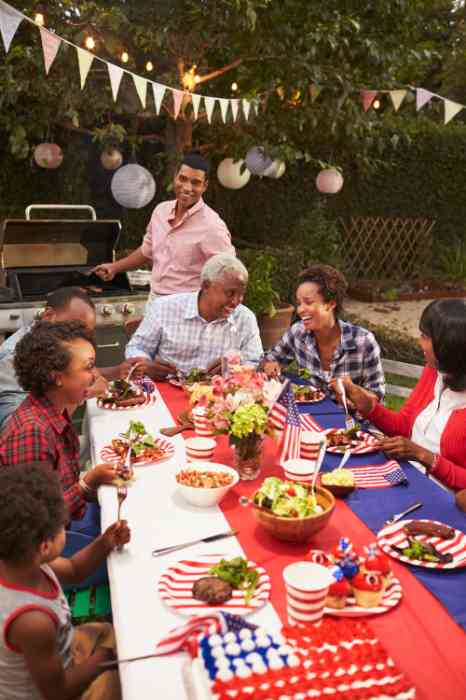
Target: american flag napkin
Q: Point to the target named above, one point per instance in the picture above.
(379, 476)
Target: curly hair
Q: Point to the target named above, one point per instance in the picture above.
(332, 284)
(46, 350)
(32, 510)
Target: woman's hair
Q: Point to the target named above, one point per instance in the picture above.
(444, 322)
(32, 510)
(46, 350)
(332, 284)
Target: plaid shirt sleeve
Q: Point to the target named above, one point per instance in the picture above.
(373, 376)
(285, 350)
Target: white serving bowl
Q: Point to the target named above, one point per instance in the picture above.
(204, 497)
(298, 469)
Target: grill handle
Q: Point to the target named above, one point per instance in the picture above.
(87, 207)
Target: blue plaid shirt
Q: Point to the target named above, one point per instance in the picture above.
(173, 330)
(358, 356)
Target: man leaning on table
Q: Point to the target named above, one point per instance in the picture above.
(181, 236)
(181, 332)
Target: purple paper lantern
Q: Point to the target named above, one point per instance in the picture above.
(329, 181)
(257, 162)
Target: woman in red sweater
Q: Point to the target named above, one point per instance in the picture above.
(430, 428)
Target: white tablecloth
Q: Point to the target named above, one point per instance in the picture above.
(158, 516)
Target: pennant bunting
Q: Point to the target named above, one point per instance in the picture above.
(451, 109)
(246, 108)
(423, 97)
(224, 107)
(159, 92)
(367, 98)
(115, 73)
(10, 19)
(196, 100)
(50, 45)
(397, 97)
(234, 108)
(85, 59)
(255, 106)
(177, 100)
(141, 88)
(209, 107)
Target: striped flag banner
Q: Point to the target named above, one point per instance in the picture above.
(379, 476)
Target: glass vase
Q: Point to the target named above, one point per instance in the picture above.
(248, 452)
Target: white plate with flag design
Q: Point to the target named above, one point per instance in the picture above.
(363, 444)
(395, 536)
(176, 583)
(166, 449)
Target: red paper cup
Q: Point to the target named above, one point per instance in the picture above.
(202, 425)
(306, 586)
(199, 449)
(310, 443)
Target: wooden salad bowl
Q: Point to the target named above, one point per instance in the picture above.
(297, 529)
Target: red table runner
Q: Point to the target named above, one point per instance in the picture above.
(425, 642)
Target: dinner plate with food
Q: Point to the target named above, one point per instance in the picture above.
(356, 440)
(145, 449)
(236, 585)
(307, 394)
(123, 396)
(426, 543)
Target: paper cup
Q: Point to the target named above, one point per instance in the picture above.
(202, 425)
(199, 449)
(310, 443)
(306, 586)
(298, 470)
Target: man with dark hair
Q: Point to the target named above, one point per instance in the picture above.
(66, 304)
(181, 236)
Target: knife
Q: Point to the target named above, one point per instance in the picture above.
(176, 547)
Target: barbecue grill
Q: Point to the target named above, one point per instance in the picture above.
(39, 256)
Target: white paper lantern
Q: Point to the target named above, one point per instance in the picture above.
(133, 186)
(276, 169)
(329, 181)
(257, 162)
(230, 176)
(111, 158)
(48, 155)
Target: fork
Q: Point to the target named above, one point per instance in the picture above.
(349, 422)
(122, 493)
(399, 516)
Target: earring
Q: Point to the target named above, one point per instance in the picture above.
(59, 383)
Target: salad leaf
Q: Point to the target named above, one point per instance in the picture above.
(237, 573)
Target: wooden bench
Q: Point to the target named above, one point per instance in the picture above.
(403, 369)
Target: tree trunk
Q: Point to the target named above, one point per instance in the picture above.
(178, 140)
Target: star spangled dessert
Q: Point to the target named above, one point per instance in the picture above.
(341, 659)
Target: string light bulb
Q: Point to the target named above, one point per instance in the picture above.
(234, 86)
(149, 66)
(189, 79)
(90, 43)
(39, 19)
(376, 104)
(124, 57)
(197, 79)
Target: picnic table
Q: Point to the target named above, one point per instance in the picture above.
(424, 634)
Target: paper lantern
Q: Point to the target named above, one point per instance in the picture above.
(276, 169)
(48, 155)
(230, 176)
(329, 181)
(111, 158)
(257, 162)
(133, 186)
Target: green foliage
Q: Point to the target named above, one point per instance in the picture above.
(453, 260)
(261, 296)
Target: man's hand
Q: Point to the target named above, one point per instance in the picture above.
(117, 535)
(106, 271)
(272, 369)
(402, 448)
(155, 369)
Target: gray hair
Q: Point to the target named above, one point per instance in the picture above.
(223, 264)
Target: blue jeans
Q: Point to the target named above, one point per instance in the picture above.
(79, 534)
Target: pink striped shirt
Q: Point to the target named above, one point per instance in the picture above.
(179, 251)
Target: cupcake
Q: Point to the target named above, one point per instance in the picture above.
(367, 589)
(339, 591)
(377, 563)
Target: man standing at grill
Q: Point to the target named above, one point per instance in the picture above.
(181, 236)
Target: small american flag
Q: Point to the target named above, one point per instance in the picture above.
(186, 636)
(378, 476)
(284, 415)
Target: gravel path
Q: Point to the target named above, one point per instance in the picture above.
(402, 316)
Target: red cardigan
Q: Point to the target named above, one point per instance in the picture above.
(451, 465)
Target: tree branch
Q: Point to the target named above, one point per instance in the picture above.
(220, 71)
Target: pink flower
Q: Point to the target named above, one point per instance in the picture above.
(217, 384)
(220, 423)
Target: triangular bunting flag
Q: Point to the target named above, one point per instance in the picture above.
(314, 92)
(246, 108)
(209, 107)
(177, 100)
(255, 106)
(234, 108)
(196, 100)
(85, 59)
(141, 88)
(397, 97)
(367, 98)
(224, 107)
(10, 19)
(159, 92)
(115, 73)
(451, 109)
(422, 97)
(50, 45)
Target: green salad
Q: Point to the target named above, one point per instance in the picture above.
(140, 438)
(286, 499)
